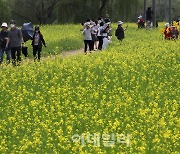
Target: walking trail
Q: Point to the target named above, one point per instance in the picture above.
(64, 54)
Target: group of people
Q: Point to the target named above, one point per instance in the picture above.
(11, 43)
(146, 24)
(97, 34)
(171, 32)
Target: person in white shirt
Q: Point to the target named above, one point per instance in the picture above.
(105, 35)
(87, 37)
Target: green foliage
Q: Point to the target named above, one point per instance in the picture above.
(77, 11)
(5, 12)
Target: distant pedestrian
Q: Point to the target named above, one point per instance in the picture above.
(141, 22)
(149, 13)
(37, 42)
(16, 41)
(120, 31)
(105, 35)
(4, 43)
(93, 34)
(174, 33)
(167, 31)
(107, 19)
(87, 37)
(99, 35)
(96, 33)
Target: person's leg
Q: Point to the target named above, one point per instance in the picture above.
(85, 46)
(105, 43)
(13, 55)
(18, 54)
(8, 54)
(99, 38)
(39, 53)
(100, 43)
(96, 45)
(90, 44)
(35, 49)
(1, 55)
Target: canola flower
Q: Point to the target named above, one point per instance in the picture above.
(130, 88)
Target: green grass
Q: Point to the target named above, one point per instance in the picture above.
(132, 88)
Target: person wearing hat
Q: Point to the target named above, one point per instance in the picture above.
(4, 43)
(87, 37)
(141, 22)
(120, 31)
(37, 42)
(16, 41)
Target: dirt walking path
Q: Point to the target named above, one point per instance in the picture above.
(64, 54)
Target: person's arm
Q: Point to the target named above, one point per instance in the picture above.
(21, 37)
(7, 40)
(125, 27)
(43, 41)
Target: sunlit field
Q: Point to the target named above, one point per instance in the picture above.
(121, 100)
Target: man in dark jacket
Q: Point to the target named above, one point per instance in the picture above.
(37, 42)
(120, 31)
(16, 41)
(149, 13)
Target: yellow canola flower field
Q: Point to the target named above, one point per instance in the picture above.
(70, 105)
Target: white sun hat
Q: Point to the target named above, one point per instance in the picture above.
(120, 22)
(140, 17)
(167, 25)
(4, 24)
(87, 24)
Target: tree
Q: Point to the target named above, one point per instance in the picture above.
(4, 11)
(37, 11)
(75, 11)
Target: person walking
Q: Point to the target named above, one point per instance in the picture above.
(141, 22)
(99, 35)
(4, 43)
(167, 31)
(149, 13)
(120, 31)
(94, 31)
(87, 37)
(105, 35)
(37, 42)
(16, 41)
(174, 33)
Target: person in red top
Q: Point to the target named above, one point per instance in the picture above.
(141, 22)
(167, 32)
